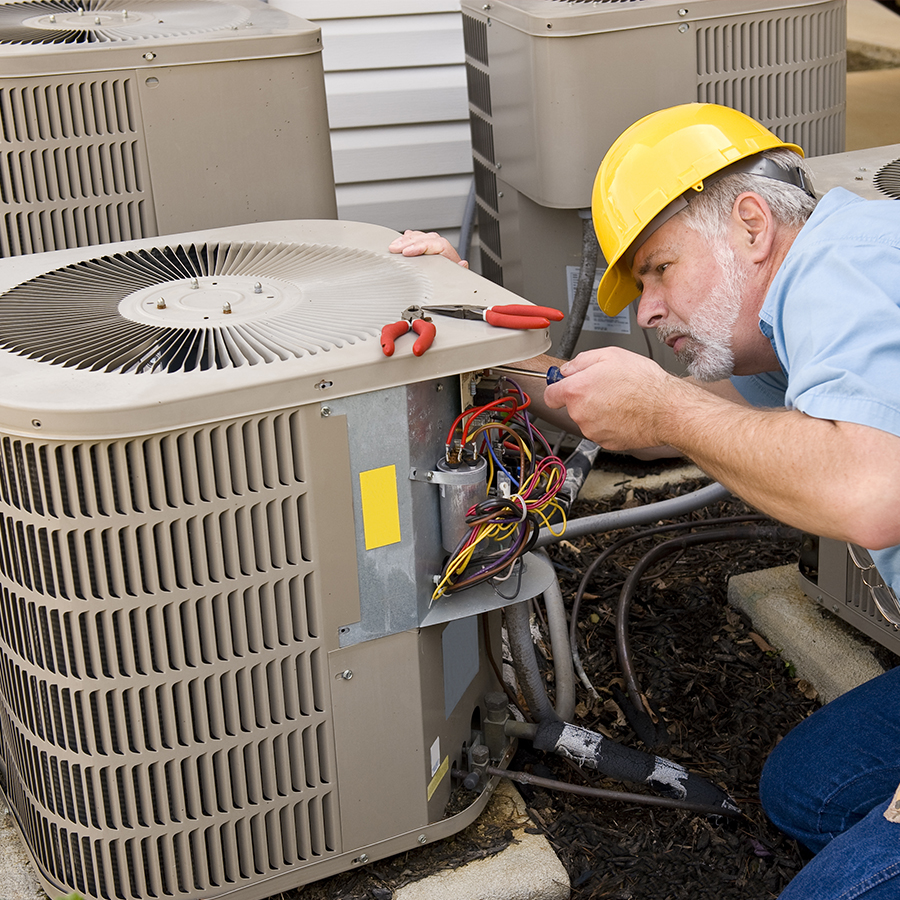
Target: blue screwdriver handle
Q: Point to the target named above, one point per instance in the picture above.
(554, 375)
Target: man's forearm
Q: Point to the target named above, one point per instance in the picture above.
(835, 479)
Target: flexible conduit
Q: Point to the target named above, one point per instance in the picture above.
(639, 515)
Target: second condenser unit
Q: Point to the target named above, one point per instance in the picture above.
(121, 120)
(552, 83)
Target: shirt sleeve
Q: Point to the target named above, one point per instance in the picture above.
(833, 314)
(766, 390)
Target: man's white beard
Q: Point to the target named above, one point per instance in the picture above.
(707, 351)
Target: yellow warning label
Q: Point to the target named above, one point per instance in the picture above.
(438, 776)
(380, 506)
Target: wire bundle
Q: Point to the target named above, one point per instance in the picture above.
(505, 525)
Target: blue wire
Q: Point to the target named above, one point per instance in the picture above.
(500, 464)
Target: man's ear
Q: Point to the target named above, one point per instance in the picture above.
(755, 225)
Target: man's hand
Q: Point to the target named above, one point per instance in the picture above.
(420, 243)
(614, 396)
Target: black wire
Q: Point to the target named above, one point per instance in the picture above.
(623, 644)
(647, 532)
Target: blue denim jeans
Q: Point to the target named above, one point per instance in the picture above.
(827, 785)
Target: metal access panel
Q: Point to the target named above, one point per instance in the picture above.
(828, 576)
(553, 83)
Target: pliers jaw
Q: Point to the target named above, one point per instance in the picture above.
(413, 317)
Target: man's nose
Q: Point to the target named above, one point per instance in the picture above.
(651, 310)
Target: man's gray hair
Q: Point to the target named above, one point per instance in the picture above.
(709, 210)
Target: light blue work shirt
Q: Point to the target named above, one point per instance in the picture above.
(832, 315)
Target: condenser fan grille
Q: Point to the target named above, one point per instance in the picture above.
(106, 21)
(887, 179)
(198, 307)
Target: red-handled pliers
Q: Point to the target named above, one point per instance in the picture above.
(412, 317)
(512, 316)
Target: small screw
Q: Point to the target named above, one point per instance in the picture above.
(195, 284)
(683, 27)
(150, 55)
(423, 839)
(346, 675)
(682, 12)
(161, 303)
(52, 18)
(325, 412)
(226, 308)
(257, 288)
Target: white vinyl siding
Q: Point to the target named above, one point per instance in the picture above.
(398, 110)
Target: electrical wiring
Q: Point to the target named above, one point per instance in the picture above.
(522, 487)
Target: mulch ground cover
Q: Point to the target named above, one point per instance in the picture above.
(723, 694)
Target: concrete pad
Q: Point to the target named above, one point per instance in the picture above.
(873, 30)
(601, 485)
(823, 650)
(528, 869)
(872, 100)
(17, 879)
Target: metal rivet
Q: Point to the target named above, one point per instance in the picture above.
(150, 55)
(682, 12)
(684, 27)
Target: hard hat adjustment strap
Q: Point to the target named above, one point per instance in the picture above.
(753, 165)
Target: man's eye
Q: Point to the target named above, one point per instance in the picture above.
(662, 267)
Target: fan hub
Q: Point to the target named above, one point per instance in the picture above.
(206, 301)
(84, 20)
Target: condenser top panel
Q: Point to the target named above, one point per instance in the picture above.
(557, 18)
(873, 172)
(61, 36)
(140, 336)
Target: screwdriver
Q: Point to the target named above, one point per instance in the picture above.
(553, 373)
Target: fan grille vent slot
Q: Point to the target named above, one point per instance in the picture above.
(106, 314)
(887, 179)
(110, 21)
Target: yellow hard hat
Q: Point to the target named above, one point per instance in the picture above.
(651, 164)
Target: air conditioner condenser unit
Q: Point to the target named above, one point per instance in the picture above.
(121, 120)
(552, 83)
(223, 670)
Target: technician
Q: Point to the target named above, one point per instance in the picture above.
(787, 314)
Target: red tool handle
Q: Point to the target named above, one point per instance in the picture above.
(390, 333)
(426, 332)
(521, 317)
